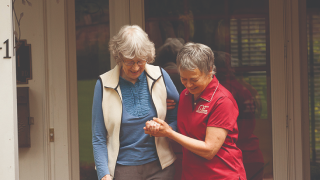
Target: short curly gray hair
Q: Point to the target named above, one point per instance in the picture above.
(131, 42)
(196, 55)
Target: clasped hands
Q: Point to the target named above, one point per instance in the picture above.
(157, 127)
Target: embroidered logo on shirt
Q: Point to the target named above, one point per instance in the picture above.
(202, 109)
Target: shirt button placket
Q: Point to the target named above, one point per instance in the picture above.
(136, 94)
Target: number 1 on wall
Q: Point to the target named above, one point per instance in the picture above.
(7, 49)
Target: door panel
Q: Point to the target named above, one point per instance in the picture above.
(238, 33)
(93, 59)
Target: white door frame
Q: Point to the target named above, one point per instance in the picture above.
(9, 166)
(124, 12)
(61, 90)
(289, 89)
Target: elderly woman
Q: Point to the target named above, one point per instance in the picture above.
(124, 99)
(207, 115)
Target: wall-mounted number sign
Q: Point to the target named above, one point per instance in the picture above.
(23, 62)
(7, 49)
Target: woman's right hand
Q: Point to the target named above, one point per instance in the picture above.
(162, 128)
(106, 177)
(170, 104)
(151, 127)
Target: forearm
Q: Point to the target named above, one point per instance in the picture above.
(214, 138)
(100, 152)
(99, 133)
(101, 160)
(198, 147)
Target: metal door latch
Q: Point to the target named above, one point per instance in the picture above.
(51, 134)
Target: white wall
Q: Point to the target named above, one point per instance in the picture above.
(9, 168)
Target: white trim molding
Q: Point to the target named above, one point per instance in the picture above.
(137, 13)
(61, 89)
(278, 93)
(289, 89)
(119, 14)
(72, 89)
(123, 12)
(9, 166)
(301, 167)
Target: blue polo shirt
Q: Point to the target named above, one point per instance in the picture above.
(136, 147)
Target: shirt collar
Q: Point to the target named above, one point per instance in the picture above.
(140, 78)
(208, 93)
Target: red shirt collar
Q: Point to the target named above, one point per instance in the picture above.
(208, 93)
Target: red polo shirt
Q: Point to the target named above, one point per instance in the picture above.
(247, 142)
(215, 107)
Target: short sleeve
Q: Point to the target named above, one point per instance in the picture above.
(224, 114)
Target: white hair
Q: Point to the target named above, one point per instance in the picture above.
(196, 55)
(131, 42)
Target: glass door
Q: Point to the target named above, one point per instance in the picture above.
(238, 33)
(313, 35)
(93, 59)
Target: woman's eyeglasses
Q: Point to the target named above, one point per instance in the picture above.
(131, 63)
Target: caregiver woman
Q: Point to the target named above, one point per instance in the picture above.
(124, 99)
(207, 115)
